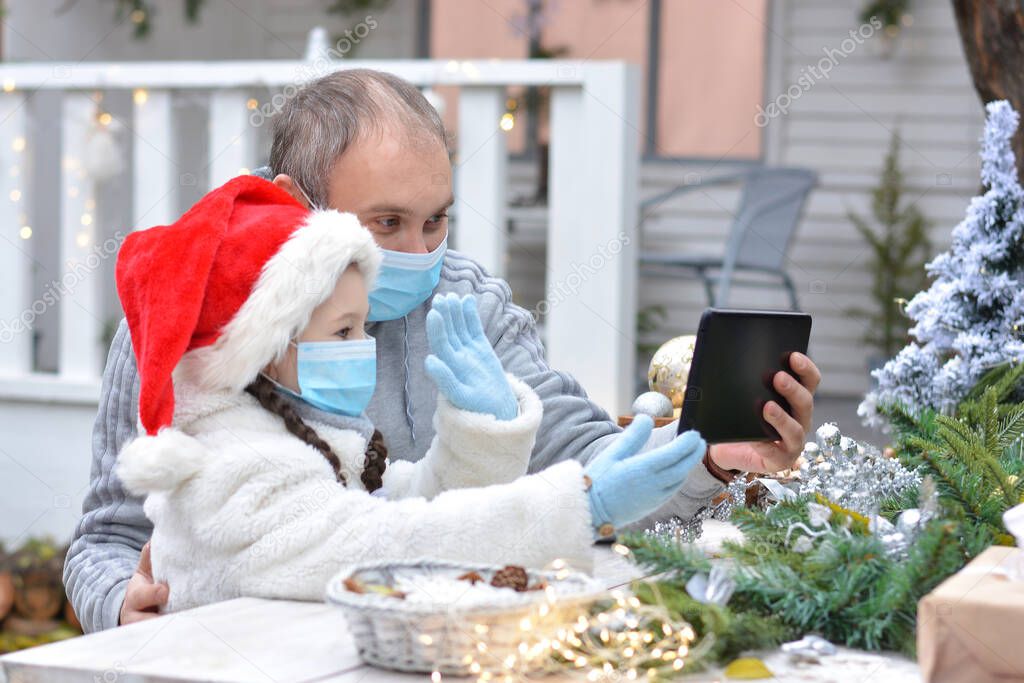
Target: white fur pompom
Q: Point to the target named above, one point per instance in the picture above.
(159, 463)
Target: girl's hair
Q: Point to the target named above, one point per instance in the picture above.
(376, 453)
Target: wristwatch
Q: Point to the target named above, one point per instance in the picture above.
(723, 475)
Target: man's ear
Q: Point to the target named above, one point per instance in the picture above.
(286, 183)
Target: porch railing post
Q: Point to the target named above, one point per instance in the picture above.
(481, 178)
(155, 182)
(592, 252)
(80, 257)
(16, 312)
(232, 136)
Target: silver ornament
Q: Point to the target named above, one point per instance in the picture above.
(828, 438)
(810, 648)
(712, 589)
(652, 403)
(908, 522)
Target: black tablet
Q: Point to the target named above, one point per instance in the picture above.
(736, 355)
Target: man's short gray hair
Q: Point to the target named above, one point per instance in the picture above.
(317, 125)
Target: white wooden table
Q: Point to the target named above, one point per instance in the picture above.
(281, 641)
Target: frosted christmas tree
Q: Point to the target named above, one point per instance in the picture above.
(971, 319)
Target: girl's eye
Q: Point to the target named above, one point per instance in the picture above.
(389, 222)
(437, 220)
(344, 332)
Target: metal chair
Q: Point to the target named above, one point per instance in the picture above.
(770, 208)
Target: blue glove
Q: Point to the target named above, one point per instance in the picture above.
(463, 364)
(627, 485)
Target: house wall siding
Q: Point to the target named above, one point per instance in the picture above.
(841, 128)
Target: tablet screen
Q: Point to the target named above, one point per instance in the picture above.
(736, 355)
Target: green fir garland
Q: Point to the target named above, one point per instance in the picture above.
(847, 588)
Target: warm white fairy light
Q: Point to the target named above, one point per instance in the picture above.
(8, 85)
(18, 144)
(25, 232)
(15, 195)
(140, 96)
(614, 637)
(507, 122)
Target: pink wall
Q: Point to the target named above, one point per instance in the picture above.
(711, 77)
(711, 51)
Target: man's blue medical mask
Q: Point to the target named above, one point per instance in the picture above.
(404, 281)
(336, 376)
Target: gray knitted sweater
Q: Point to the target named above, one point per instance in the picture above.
(113, 528)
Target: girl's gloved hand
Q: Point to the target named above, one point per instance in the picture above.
(627, 485)
(463, 365)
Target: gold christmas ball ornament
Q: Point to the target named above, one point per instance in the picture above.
(670, 368)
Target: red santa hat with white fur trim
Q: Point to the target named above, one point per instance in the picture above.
(221, 292)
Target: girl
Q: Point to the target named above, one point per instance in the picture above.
(261, 473)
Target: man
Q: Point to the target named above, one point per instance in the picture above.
(370, 144)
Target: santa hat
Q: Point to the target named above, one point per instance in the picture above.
(220, 293)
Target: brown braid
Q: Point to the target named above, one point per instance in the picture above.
(376, 462)
(373, 468)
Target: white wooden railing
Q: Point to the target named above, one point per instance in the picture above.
(593, 194)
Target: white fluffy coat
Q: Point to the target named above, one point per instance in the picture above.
(240, 507)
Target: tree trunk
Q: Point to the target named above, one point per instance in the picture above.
(992, 33)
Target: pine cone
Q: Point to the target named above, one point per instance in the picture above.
(511, 577)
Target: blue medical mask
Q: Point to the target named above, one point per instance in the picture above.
(336, 376)
(404, 282)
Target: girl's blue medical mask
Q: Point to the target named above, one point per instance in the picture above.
(336, 376)
(404, 281)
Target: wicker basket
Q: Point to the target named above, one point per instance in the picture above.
(423, 636)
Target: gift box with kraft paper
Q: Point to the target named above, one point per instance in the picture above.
(971, 627)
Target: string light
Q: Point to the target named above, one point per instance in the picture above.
(613, 635)
(508, 119)
(18, 144)
(8, 85)
(25, 232)
(15, 195)
(252, 103)
(105, 118)
(140, 96)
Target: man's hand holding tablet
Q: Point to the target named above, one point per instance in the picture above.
(750, 389)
